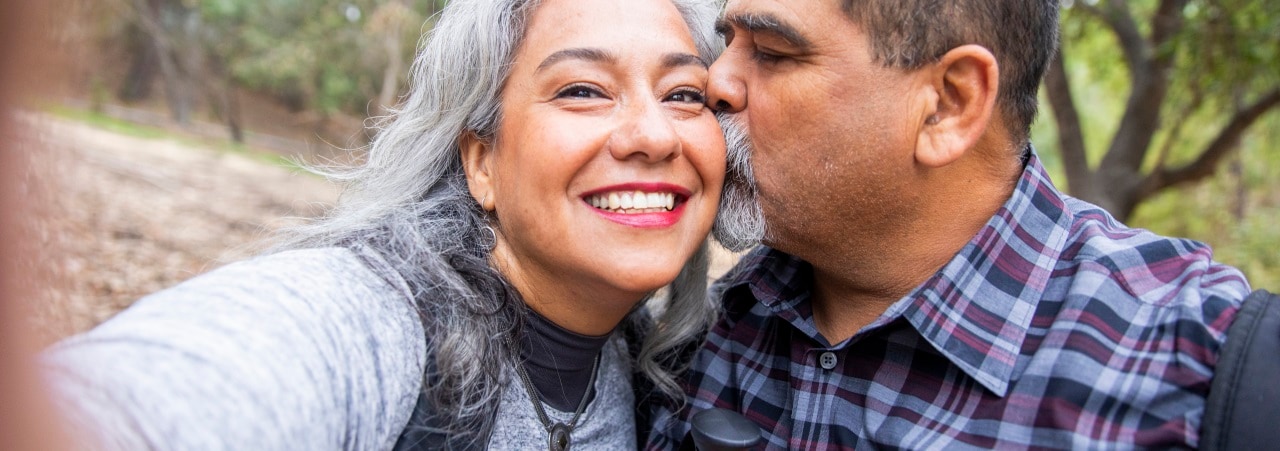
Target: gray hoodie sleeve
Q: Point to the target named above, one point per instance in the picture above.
(298, 350)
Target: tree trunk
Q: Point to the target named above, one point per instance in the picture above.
(1242, 190)
(177, 92)
(390, 76)
(143, 65)
(392, 18)
(176, 95)
(1070, 133)
(230, 106)
(1119, 184)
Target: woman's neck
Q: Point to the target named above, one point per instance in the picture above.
(559, 362)
(578, 307)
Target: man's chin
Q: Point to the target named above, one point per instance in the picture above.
(735, 243)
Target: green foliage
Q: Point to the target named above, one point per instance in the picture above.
(1255, 249)
(108, 123)
(313, 54)
(1224, 57)
(1228, 46)
(1208, 212)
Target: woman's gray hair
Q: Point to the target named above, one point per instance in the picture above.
(408, 207)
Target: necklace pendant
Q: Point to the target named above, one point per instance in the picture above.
(559, 437)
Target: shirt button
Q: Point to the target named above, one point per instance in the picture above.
(827, 360)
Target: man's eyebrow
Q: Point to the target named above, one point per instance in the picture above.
(722, 27)
(763, 23)
(673, 60)
(588, 54)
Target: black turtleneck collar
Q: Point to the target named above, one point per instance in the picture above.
(558, 361)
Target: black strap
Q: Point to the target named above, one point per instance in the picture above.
(1243, 409)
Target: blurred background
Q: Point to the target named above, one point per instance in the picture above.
(171, 131)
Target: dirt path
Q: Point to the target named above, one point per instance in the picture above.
(127, 216)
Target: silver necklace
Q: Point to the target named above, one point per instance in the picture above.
(559, 432)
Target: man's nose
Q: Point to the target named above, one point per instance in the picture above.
(725, 88)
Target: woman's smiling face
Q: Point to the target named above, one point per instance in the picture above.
(606, 167)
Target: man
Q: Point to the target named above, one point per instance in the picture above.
(923, 284)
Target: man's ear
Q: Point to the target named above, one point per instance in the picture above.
(966, 81)
(477, 155)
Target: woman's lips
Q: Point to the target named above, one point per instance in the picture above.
(645, 205)
(633, 201)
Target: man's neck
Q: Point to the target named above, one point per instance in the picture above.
(859, 275)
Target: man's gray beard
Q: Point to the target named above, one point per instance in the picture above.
(739, 224)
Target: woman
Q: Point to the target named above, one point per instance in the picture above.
(479, 283)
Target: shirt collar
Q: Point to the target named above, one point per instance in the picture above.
(777, 280)
(976, 310)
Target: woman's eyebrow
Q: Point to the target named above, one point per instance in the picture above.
(673, 60)
(580, 53)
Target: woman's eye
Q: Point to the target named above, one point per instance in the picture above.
(687, 95)
(579, 92)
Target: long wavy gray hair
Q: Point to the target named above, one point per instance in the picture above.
(408, 204)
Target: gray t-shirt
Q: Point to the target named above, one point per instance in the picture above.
(607, 423)
(305, 349)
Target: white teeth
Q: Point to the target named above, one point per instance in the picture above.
(634, 202)
(656, 200)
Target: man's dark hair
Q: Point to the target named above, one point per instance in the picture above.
(1022, 34)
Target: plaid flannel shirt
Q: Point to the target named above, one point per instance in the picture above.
(1054, 327)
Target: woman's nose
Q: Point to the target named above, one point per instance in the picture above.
(725, 89)
(646, 133)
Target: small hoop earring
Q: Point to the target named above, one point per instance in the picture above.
(482, 199)
(493, 236)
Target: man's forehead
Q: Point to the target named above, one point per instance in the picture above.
(763, 22)
(794, 20)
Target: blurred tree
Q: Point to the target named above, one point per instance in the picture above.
(388, 24)
(143, 65)
(322, 55)
(159, 31)
(326, 56)
(1198, 64)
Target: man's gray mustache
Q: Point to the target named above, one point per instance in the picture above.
(740, 223)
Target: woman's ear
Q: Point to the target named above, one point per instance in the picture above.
(476, 155)
(966, 81)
